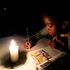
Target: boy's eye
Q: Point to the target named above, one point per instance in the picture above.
(50, 25)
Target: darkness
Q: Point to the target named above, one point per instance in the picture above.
(15, 17)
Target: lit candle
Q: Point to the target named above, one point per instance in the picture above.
(13, 51)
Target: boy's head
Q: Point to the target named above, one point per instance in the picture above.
(51, 25)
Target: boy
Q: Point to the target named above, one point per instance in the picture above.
(52, 29)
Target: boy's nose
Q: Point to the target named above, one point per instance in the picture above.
(48, 28)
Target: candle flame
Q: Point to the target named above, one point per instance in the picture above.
(13, 51)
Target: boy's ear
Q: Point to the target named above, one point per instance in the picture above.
(65, 24)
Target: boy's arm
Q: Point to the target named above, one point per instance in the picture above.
(33, 39)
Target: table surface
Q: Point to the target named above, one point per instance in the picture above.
(30, 63)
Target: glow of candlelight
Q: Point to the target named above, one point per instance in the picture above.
(13, 51)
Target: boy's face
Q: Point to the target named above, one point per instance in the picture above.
(50, 27)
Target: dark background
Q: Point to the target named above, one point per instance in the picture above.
(16, 16)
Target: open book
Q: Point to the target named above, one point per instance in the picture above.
(41, 56)
(44, 56)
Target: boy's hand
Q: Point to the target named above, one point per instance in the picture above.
(27, 45)
(51, 43)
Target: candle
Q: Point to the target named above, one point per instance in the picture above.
(13, 51)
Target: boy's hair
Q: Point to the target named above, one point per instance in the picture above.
(50, 19)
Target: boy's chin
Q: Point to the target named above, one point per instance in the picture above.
(51, 34)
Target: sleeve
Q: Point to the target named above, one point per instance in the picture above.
(42, 33)
(61, 43)
(33, 40)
